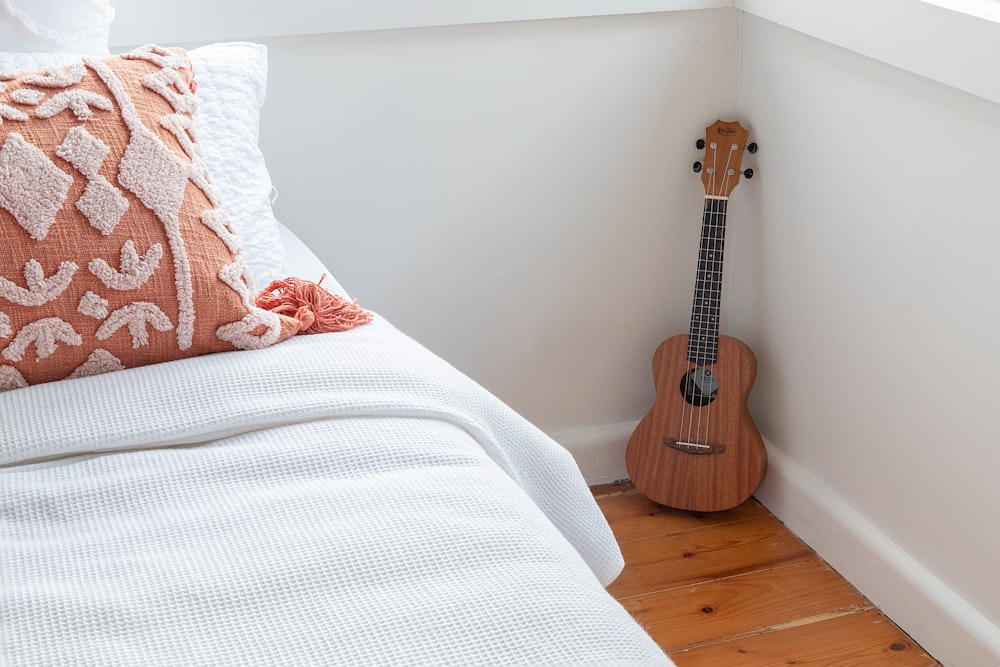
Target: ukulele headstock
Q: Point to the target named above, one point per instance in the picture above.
(720, 168)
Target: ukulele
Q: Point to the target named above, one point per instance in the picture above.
(698, 448)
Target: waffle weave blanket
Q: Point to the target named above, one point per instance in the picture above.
(344, 498)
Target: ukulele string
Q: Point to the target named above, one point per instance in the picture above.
(698, 331)
(696, 323)
(708, 294)
(693, 333)
(713, 317)
(703, 293)
(717, 230)
(706, 343)
(686, 387)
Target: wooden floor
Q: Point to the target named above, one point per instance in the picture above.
(737, 589)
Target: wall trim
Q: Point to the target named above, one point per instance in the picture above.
(937, 617)
(599, 450)
(140, 22)
(954, 42)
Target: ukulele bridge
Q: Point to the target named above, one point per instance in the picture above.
(694, 447)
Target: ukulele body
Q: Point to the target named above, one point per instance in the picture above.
(698, 450)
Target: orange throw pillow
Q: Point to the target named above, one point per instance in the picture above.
(114, 252)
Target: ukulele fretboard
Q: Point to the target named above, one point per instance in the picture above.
(703, 341)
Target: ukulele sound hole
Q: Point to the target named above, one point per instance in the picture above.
(699, 387)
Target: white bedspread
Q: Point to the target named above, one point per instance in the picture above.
(344, 498)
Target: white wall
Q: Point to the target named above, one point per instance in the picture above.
(869, 289)
(516, 196)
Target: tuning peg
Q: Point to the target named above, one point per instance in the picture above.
(748, 173)
(752, 148)
(697, 167)
(700, 144)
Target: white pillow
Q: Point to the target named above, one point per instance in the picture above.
(64, 26)
(231, 79)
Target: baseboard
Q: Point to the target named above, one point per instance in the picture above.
(599, 450)
(940, 620)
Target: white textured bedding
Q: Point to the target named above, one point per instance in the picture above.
(344, 498)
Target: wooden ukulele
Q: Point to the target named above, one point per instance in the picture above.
(698, 448)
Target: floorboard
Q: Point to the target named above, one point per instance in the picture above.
(737, 588)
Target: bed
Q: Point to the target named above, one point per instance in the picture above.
(337, 498)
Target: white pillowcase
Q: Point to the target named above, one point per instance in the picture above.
(232, 80)
(66, 26)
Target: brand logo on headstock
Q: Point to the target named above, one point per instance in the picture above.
(726, 131)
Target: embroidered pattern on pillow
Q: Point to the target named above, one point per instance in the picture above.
(114, 252)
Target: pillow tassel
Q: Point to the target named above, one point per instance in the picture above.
(316, 309)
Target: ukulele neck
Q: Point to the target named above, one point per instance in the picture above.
(703, 341)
